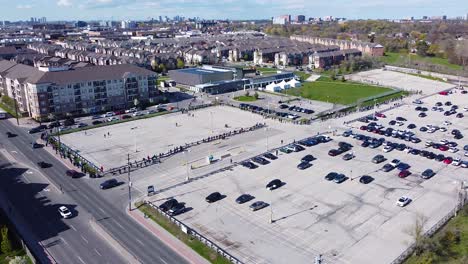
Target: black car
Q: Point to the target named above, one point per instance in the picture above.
(378, 159)
(340, 178)
(427, 174)
(411, 126)
(365, 144)
(423, 129)
(36, 145)
(400, 147)
(43, 164)
(439, 157)
(365, 179)
(270, 156)
(331, 176)
(249, 165)
(308, 158)
(72, 173)
(177, 209)
(392, 122)
(274, 184)
(37, 129)
(414, 151)
(387, 167)
(10, 135)
(69, 122)
(96, 122)
(260, 160)
(345, 145)
(53, 124)
(422, 114)
(304, 165)
(167, 205)
(108, 184)
(458, 136)
(283, 106)
(399, 118)
(244, 198)
(213, 197)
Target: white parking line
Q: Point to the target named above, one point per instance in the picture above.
(163, 260)
(139, 241)
(85, 240)
(72, 227)
(97, 252)
(81, 259)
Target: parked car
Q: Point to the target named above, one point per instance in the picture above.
(366, 179)
(274, 184)
(378, 159)
(260, 160)
(177, 209)
(258, 205)
(304, 165)
(213, 197)
(44, 165)
(167, 205)
(403, 201)
(249, 165)
(427, 174)
(64, 212)
(331, 176)
(387, 167)
(340, 178)
(270, 156)
(244, 198)
(307, 158)
(348, 156)
(109, 184)
(404, 173)
(72, 173)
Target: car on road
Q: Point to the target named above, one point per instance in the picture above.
(403, 201)
(167, 205)
(64, 212)
(36, 145)
(258, 205)
(72, 173)
(108, 184)
(270, 156)
(378, 159)
(307, 158)
(249, 164)
(274, 184)
(177, 209)
(43, 164)
(304, 165)
(340, 178)
(10, 135)
(243, 198)
(404, 173)
(366, 179)
(427, 174)
(213, 197)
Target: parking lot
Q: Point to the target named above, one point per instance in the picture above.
(310, 215)
(401, 81)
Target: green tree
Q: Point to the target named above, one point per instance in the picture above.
(422, 48)
(256, 95)
(6, 243)
(180, 63)
(343, 79)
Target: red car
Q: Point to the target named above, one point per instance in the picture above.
(448, 160)
(404, 173)
(119, 112)
(443, 93)
(380, 115)
(443, 148)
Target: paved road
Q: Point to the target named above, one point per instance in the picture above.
(142, 244)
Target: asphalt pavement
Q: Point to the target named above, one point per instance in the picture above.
(136, 239)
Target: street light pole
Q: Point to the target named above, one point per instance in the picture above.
(129, 185)
(187, 164)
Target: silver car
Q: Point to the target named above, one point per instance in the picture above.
(258, 205)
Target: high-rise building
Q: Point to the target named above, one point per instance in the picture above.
(282, 20)
(300, 19)
(160, 19)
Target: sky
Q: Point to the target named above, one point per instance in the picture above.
(220, 9)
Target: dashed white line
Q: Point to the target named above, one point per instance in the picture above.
(100, 209)
(163, 260)
(81, 259)
(117, 223)
(65, 241)
(85, 240)
(97, 252)
(72, 227)
(139, 241)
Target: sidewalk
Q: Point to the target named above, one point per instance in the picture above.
(178, 246)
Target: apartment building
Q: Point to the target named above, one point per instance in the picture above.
(61, 90)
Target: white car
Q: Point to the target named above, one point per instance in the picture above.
(399, 123)
(138, 114)
(395, 162)
(131, 110)
(387, 149)
(64, 212)
(464, 164)
(456, 162)
(110, 119)
(108, 114)
(447, 123)
(465, 108)
(453, 150)
(443, 129)
(466, 153)
(443, 141)
(403, 201)
(429, 143)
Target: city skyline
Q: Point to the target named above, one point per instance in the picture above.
(230, 9)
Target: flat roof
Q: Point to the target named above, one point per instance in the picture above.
(202, 71)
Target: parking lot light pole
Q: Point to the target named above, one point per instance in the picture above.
(187, 164)
(266, 134)
(271, 207)
(129, 185)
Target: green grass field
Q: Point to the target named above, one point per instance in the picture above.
(245, 98)
(400, 58)
(447, 248)
(302, 75)
(338, 92)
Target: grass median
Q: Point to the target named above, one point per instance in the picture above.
(202, 249)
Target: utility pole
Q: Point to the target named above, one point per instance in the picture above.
(16, 108)
(129, 185)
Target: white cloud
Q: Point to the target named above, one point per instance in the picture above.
(24, 6)
(64, 3)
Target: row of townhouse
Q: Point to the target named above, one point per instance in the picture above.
(372, 49)
(77, 91)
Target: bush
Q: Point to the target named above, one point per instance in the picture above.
(247, 93)
(256, 95)
(18, 260)
(6, 243)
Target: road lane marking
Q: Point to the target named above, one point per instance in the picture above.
(72, 227)
(65, 241)
(117, 223)
(81, 259)
(84, 239)
(139, 241)
(100, 209)
(163, 260)
(97, 252)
